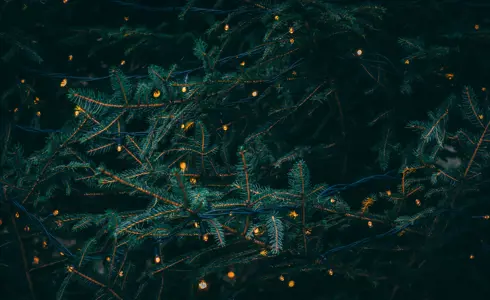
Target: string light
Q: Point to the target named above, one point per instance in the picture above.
(449, 76)
(35, 260)
(63, 82)
(291, 41)
(156, 93)
(27, 228)
(227, 27)
(157, 259)
(205, 237)
(184, 89)
(38, 113)
(291, 30)
(231, 274)
(407, 62)
(119, 148)
(126, 19)
(65, 1)
(281, 278)
(183, 165)
(472, 256)
(255, 94)
(203, 285)
(291, 283)
(293, 214)
(70, 57)
(242, 64)
(22, 81)
(330, 272)
(123, 62)
(276, 17)
(108, 259)
(55, 212)
(370, 224)
(225, 127)
(359, 52)
(193, 180)
(477, 27)
(417, 202)
(196, 225)
(121, 273)
(263, 252)
(36, 100)
(76, 113)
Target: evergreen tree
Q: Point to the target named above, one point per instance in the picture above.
(211, 158)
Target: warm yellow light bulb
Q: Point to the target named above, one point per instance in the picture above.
(203, 285)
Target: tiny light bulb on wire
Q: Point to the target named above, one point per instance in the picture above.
(203, 285)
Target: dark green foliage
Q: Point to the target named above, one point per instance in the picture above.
(225, 140)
